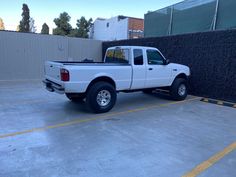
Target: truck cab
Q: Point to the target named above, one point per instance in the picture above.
(150, 69)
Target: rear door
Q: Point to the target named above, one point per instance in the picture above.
(139, 69)
(158, 74)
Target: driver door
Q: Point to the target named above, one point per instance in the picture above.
(158, 73)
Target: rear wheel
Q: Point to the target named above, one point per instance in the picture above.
(75, 97)
(101, 97)
(179, 89)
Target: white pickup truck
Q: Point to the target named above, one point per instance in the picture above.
(124, 69)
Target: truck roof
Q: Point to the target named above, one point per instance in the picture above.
(132, 47)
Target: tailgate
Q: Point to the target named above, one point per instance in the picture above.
(52, 71)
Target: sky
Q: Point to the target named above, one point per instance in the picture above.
(44, 11)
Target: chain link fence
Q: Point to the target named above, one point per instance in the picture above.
(191, 16)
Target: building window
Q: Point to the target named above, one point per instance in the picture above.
(134, 34)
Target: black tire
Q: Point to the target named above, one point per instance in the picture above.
(179, 89)
(107, 98)
(76, 97)
(148, 91)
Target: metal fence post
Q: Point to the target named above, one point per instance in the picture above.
(171, 20)
(215, 16)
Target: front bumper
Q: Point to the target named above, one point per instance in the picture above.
(53, 87)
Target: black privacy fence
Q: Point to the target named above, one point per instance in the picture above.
(210, 55)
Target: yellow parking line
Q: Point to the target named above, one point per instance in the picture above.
(92, 119)
(211, 161)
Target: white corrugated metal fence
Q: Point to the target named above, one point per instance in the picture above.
(22, 55)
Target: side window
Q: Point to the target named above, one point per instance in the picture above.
(154, 58)
(138, 57)
(117, 56)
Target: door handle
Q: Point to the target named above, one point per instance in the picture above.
(150, 69)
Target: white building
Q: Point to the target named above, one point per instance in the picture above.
(116, 28)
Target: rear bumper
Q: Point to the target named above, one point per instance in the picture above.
(53, 87)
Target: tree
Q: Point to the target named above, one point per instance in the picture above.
(84, 26)
(2, 27)
(25, 22)
(74, 33)
(32, 26)
(63, 26)
(82, 29)
(45, 29)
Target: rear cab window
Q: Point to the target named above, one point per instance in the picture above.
(117, 56)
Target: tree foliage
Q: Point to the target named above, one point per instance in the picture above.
(25, 22)
(45, 29)
(84, 26)
(2, 27)
(82, 29)
(63, 26)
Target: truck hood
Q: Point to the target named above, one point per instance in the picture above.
(178, 65)
(181, 68)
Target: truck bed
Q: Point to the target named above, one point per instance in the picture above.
(91, 63)
(82, 73)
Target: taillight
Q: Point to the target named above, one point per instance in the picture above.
(65, 75)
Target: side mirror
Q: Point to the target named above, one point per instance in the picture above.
(167, 61)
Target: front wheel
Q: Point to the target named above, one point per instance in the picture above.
(179, 89)
(101, 97)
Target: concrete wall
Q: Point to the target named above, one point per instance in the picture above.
(22, 55)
